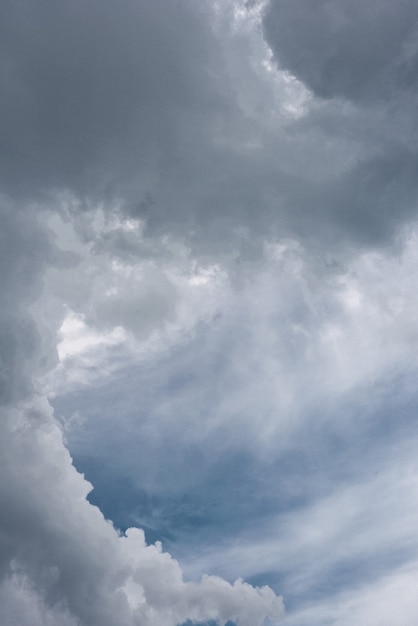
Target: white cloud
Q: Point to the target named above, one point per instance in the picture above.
(175, 204)
(294, 351)
(125, 296)
(352, 554)
(60, 560)
(68, 562)
(386, 601)
(76, 338)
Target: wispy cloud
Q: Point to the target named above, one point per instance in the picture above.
(208, 262)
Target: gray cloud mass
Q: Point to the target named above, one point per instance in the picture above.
(144, 102)
(208, 268)
(91, 88)
(346, 48)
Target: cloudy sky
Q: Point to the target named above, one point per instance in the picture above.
(209, 312)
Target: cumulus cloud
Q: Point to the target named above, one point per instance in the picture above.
(81, 95)
(208, 234)
(61, 561)
(61, 558)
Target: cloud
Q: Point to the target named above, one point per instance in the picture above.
(340, 554)
(199, 134)
(25, 352)
(94, 86)
(261, 335)
(346, 49)
(388, 600)
(60, 560)
(293, 403)
(208, 261)
(358, 62)
(59, 554)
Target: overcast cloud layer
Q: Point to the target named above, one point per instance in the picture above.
(209, 268)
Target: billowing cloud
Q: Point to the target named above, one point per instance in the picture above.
(61, 561)
(208, 261)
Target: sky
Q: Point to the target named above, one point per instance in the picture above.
(208, 320)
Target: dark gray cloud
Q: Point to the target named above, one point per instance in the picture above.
(148, 104)
(364, 206)
(26, 350)
(360, 62)
(349, 48)
(92, 89)
(133, 102)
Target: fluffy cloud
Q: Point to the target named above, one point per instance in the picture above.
(293, 408)
(83, 101)
(61, 560)
(208, 262)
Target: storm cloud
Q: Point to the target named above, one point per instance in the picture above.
(208, 316)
